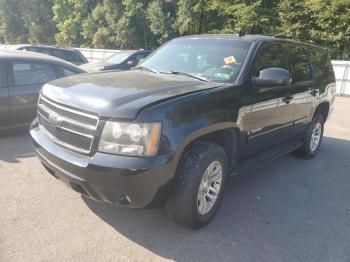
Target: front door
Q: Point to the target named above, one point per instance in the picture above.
(268, 112)
(4, 97)
(26, 81)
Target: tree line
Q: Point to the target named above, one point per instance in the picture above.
(129, 24)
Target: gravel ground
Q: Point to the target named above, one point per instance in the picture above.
(291, 210)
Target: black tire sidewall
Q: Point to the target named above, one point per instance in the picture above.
(182, 204)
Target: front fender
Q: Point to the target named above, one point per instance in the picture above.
(189, 117)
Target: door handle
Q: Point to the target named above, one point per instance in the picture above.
(287, 99)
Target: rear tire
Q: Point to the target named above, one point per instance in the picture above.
(199, 184)
(313, 138)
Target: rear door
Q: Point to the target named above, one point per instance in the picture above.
(25, 82)
(4, 97)
(268, 112)
(304, 86)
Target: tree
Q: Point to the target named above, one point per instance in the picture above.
(252, 17)
(192, 16)
(69, 16)
(102, 24)
(38, 15)
(135, 22)
(2, 27)
(161, 17)
(295, 19)
(330, 27)
(15, 28)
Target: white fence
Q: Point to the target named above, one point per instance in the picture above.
(342, 75)
(95, 55)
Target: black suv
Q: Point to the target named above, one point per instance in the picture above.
(71, 55)
(197, 110)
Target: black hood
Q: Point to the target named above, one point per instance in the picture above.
(120, 94)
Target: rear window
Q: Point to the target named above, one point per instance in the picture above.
(322, 64)
(30, 73)
(300, 65)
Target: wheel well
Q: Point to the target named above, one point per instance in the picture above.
(323, 109)
(226, 138)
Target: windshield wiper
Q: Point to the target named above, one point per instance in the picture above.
(189, 75)
(145, 68)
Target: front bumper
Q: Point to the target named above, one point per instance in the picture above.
(128, 181)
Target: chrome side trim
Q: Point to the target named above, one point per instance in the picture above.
(252, 136)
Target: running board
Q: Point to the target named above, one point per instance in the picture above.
(261, 159)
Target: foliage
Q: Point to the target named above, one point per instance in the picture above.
(148, 23)
(27, 21)
(161, 19)
(69, 16)
(2, 27)
(16, 31)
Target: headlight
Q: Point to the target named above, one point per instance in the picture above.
(133, 139)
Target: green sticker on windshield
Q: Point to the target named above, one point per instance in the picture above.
(221, 76)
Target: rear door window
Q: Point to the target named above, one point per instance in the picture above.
(30, 73)
(300, 64)
(271, 55)
(322, 64)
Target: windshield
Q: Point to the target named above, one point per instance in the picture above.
(216, 59)
(118, 57)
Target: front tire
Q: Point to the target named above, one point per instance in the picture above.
(199, 184)
(313, 138)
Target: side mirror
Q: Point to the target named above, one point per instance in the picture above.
(272, 77)
(131, 63)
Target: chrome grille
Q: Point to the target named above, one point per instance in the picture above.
(70, 128)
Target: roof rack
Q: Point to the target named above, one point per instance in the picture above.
(278, 36)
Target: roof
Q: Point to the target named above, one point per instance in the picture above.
(17, 47)
(249, 38)
(18, 54)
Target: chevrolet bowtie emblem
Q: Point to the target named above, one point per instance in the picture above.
(54, 120)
